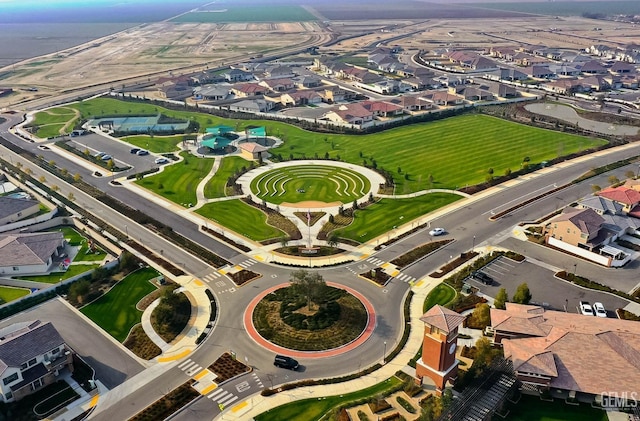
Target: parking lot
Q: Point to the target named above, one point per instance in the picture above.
(546, 290)
(113, 365)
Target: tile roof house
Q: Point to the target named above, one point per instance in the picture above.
(411, 103)
(29, 253)
(625, 196)
(251, 106)
(32, 354)
(577, 227)
(354, 113)
(382, 108)
(300, 97)
(13, 209)
(243, 90)
(562, 351)
(593, 67)
(237, 75)
(443, 98)
(253, 151)
(278, 85)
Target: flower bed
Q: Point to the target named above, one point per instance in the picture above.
(244, 276)
(377, 275)
(227, 367)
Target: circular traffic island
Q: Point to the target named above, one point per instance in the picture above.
(297, 318)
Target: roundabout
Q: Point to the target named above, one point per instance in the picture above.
(367, 328)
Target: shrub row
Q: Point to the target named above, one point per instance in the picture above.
(584, 282)
(418, 253)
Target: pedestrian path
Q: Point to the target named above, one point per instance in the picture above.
(376, 261)
(223, 397)
(210, 277)
(405, 278)
(190, 367)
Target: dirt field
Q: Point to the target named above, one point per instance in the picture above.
(153, 48)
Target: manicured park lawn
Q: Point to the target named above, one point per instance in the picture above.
(313, 409)
(155, 144)
(10, 293)
(455, 151)
(441, 294)
(310, 182)
(531, 408)
(241, 218)
(178, 182)
(216, 187)
(116, 311)
(385, 214)
(55, 277)
(74, 238)
(51, 121)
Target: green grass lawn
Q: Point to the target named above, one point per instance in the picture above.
(382, 216)
(10, 293)
(253, 13)
(155, 144)
(116, 311)
(217, 185)
(241, 218)
(51, 121)
(178, 182)
(310, 182)
(313, 409)
(49, 130)
(441, 294)
(55, 277)
(531, 408)
(455, 151)
(74, 238)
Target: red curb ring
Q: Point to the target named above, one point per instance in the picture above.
(362, 338)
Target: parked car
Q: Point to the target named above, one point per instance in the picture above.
(436, 232)
(99, 155)
(161, 160)
(585, 308)
(482, 277)
(599, 309)
(134, 150)
(142, 152)
(285, 362)
(106, 157)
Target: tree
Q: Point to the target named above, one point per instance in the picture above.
(78, 290)
(55, 188)
(630, 174)
(332, 241)
(77, 177)
(71, 197)
(501, 299)
(613, 179)
(308, 283)
(42, 179)
(481, 317)
(595, 188)
(484, 352)
(522, 294)
(284, 240)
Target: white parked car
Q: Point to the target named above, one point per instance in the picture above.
(585, 308)
(599, 309)
(161, 160)
(436, 232)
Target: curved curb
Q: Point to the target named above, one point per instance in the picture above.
(362, 338)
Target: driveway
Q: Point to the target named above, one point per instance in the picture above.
(546, 290)
(113, 366)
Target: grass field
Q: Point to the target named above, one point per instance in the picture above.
(155, 144)
(51, 121)
(455, 152)
(384, 215)
(310, 182)
(74, 238)
(55, 277)
(116, 311)
(441, 294)
(313, 409)
(178, 182)
(217, 185)
(255, 13)
(8, 294)
(531, 408)
(241, 218)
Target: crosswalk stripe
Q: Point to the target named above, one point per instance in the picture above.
(229, 400)
(186, 364)
(193, 370)
(252, 261)
(243, 265)
(222, 396)
(216, 393)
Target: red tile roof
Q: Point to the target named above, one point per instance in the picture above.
(442, 318)
(621, 194)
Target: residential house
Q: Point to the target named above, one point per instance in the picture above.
(472, 93)
(568, 355)
(622, 68)
(595, 83)
(539, 72)
(177, 89)
(218, 92)
(504, 53)
(420, 83)
(306, 82)
(279, 72)
(333, 93)
(32, 355)
(443, 98)
(564, 70)
(29, 253)
(382, 108)
(411, 104)
(300, 97)
(507, 74)
(14, 209)
(626, 197)
(244, 90)
(386, 86)
(601, 50)
(576, 227)
(354, 113)
(251, 106)
(278, 85)
(563, 86)
(237, 75)
(593, 67)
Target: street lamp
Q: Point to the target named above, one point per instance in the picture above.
(473, 246)
(575, 267)
(126, 230)
(384, 353)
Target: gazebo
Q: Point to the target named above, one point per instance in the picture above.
(219, 130)
(215, 142)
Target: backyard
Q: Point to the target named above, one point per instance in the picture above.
(8, 294)
(116, 311)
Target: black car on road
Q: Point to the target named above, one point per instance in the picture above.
(482, 277)
(285, 362)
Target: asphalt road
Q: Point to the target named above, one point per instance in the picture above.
(469, 226)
